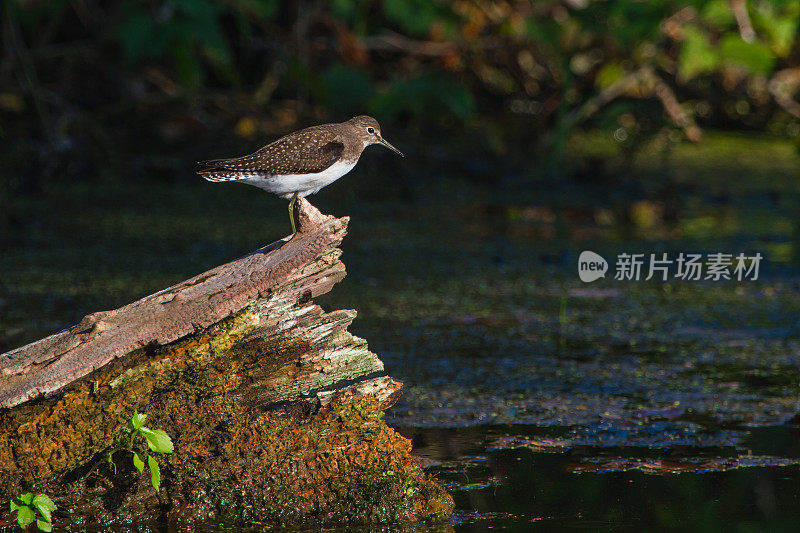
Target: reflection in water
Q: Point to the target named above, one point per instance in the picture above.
(500, 480)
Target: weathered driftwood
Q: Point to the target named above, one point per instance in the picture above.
(272, 405)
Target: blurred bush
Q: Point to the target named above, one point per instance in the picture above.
(83, 80)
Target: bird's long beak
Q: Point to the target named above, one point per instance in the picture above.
(390, 147)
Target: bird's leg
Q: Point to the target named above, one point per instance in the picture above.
(291, 212)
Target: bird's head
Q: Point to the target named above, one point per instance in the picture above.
(369, 131)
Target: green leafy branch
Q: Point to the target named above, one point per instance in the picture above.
(157, 441)
(27, 506)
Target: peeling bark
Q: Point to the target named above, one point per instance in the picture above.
(272, 404)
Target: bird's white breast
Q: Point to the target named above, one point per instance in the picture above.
(304, 184)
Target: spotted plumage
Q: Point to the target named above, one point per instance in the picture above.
(302, 162)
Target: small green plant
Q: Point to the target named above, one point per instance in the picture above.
(157, 441)
(32, 509)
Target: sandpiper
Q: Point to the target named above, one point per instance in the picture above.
(302, 162)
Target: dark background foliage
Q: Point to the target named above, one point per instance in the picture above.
(103, 90)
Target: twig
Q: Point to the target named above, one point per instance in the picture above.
(638, 84)
(783, 86)
(673, 26)
(623, 86)
(673, 108)
(739, 8)
(395, 42)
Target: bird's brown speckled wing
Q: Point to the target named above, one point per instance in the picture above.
(306, 151)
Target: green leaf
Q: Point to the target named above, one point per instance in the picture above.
(263, 8)
(139, 38)
(25, 499)
(138, 464)
(187, 64)
(345, 9)
(43, 501)
(458, 100)
(45, 506)
(609, 74)
(155, 472)
(697, 56)
(718, 13)
(44, 525)
(137, 421)
(25, 516)
(543, 31)
(782, 34)
(158, 440)
(429, 94)
(347, 89)
(778, 23)
(754, 57)
(413, 16)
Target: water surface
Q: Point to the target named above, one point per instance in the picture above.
(536, 398)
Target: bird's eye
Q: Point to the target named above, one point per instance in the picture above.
(370, 130)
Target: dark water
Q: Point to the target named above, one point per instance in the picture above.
(538, 399)
(520, 488)
(541, 400)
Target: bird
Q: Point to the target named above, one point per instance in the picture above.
(303, 162)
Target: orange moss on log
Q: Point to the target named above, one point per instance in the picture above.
(57, 435)
(273, 406)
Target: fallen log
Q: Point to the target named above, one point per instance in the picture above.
(272, 405)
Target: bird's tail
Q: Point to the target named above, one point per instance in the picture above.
(213, 163)
(215, 170)
(221, 175)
